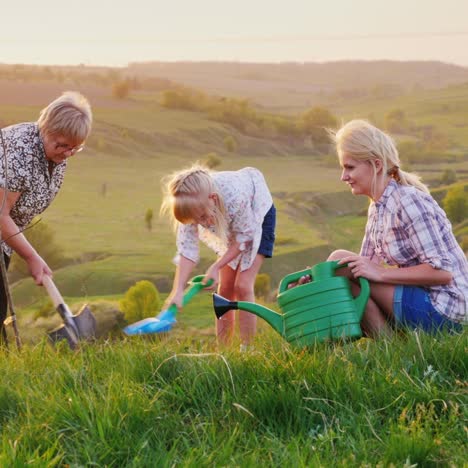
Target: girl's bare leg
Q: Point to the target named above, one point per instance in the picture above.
(244, 290)
(225, 325)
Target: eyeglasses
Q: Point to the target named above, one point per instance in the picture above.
(66, 149)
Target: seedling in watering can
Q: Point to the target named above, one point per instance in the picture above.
(165, 320)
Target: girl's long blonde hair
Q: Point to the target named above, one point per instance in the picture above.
(364, 142)
(186, 191)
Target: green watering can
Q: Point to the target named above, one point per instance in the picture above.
(321, 310)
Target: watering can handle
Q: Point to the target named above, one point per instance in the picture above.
(292, 278)
(196, 286)
(363, 297)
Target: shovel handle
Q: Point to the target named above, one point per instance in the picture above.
(59, 304)
(52, 290)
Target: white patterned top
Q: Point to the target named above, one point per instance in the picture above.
(247, 199)
(28, 173)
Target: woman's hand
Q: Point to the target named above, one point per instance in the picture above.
(363, 267)
(38, 268)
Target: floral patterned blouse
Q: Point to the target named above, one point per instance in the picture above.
(28, 173)
(247, 199)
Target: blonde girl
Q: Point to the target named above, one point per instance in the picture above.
(232, 212)
(407, 229)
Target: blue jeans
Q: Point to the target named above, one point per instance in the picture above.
(413, 308)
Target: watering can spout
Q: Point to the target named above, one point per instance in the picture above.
(222, 306)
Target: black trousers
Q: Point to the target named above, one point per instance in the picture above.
(3, 302)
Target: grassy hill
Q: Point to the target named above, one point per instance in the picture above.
(98, 217)
(166, 402)
(177, 399)
(296, 86)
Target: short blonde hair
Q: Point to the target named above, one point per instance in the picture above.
(69, 115)
(364, 142)
(186, 191)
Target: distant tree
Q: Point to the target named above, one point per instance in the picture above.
(121, 89)
(262, 285)
(211, 160)
(230, 143)
(395, 121)
(448, 177)
(140, 301)
(149, 219)
(456, 204)
(315, 122)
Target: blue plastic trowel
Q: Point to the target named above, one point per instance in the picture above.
(165, 320)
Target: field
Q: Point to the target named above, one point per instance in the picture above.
(178, 399)
(143, 403)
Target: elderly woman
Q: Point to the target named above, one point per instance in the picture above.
(37, 154)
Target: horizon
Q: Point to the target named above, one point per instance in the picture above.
(239, 62)
(115, 35)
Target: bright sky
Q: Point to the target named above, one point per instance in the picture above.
(113, 32)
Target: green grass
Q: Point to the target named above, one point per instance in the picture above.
(176, 399)
(167, 402)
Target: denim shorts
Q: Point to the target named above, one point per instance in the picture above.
(413, 308)
(268, 233)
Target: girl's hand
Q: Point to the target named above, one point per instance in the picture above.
(363, 266)
(174, 298)
(212, 273)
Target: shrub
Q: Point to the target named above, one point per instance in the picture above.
(140, 301)
(456, 204)
(448, 177)
(121, 89)
(464, 243)
(149, 219)
(47, 309)
(315, 123)
(211, 160)
(230, 143)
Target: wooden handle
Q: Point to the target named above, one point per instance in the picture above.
(52, 290)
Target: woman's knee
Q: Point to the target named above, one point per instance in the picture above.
(339, 254)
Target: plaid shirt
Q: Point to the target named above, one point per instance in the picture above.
(406, 227)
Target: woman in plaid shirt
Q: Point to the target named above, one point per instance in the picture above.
(406, 229)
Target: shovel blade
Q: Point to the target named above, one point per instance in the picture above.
(84, 328)
(85, 323)
(63, 332)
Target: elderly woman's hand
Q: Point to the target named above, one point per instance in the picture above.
(38, 268)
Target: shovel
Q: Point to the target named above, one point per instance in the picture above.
(75, 327)
(166, 319)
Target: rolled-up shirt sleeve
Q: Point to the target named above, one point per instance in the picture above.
(187, 243)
